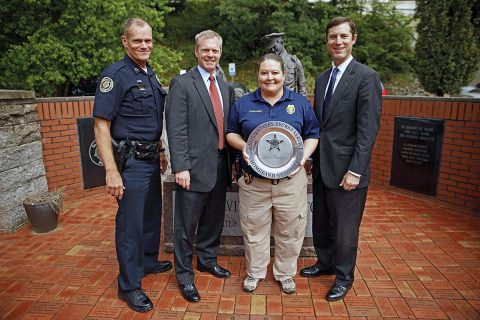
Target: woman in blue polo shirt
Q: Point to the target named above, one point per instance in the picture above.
(265, 204)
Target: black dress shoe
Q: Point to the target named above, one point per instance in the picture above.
(161, 266)
(216, 270)
(136, 299)
(189, 292)
(314, 271)
(337, 292)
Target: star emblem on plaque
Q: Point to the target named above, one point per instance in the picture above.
(275, 149)
(274, 143)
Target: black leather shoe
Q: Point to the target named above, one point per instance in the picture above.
(314, 271)
(189, 292)
(337, 292)
(136, 299)
(216, 270)
(161, 266)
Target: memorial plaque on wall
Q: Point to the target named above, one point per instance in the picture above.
(417, 150)
(92, 167)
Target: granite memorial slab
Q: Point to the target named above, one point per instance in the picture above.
(93, 171)
(417, 150)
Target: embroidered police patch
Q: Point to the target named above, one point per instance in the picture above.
(106, 84)
(290, 109)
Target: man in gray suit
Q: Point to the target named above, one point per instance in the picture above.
(348, 105)
(197, 108)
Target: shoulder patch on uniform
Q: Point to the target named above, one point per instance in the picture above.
(106, 84)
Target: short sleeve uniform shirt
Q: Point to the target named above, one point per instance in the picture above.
(252, 110)
(132, 99)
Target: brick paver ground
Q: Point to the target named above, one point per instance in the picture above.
(417, 259)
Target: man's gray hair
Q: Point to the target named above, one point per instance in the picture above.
(208, 34)
(133, 21)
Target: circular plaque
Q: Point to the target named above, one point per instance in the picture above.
(275, 149)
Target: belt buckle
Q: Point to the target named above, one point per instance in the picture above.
(145, 146)
(151, 147)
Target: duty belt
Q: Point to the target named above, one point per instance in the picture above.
(145, 149)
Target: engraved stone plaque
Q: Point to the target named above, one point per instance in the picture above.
(93, 171)
(417, 149)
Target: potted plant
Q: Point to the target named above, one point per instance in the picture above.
(43, 209)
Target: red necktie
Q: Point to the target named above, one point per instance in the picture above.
(217, 109)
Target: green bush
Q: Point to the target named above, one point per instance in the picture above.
(447, 50)
(68, 41)
(384, 40)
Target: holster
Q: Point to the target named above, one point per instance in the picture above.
(120, 153)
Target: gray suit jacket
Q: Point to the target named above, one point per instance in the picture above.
(349, 128)
(192, 129)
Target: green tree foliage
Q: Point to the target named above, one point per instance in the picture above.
(476, 20)
(385, 40)
(385, 36)
(186, 20)
(52, 45)
(302, 22)
(447, 52)
(19, 19)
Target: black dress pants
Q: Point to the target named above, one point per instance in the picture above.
(336, 219)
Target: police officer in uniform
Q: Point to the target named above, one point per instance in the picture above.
(128, 112)
(272, 206)
(294, 75)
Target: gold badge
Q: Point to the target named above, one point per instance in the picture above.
(290, 109)
(106, 84)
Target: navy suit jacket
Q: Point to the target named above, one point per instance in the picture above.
(349, 128)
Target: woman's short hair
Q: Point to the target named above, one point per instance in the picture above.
(271, 56)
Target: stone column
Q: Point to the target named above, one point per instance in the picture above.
(22, 171)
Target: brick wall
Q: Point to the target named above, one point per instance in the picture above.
(61, 150)
(459, 181)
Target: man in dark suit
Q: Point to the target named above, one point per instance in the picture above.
(197, 108)
(348, 105)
